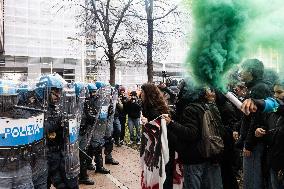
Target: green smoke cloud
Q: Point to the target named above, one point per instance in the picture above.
(225, 30)
(217, 41)
(265, 26)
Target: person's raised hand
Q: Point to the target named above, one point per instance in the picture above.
(144, 120)
(248, 106)
(167, 118)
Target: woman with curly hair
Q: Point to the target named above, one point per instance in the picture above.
(154, 105)
(153, 102)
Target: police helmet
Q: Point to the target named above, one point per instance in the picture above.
(92, 87)
(79, 87)
(100, 84)
(51, 81)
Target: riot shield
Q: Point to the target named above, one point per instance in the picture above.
(101, 124)
(95, 106)
(19, 127)
(71, 131)
(113, 99)
(19, 131)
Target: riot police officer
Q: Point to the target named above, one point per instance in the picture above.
(89, 118)
(109, 129)
(28, 99)
(55, 121)
(97, 140)
(20, 130)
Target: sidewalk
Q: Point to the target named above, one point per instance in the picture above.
(126, 175)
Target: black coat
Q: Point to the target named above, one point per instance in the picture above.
(274, 139)
(188, 134)
(133, 109)
(258, 90)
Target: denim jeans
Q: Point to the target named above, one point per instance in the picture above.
(17, 179)
(116, 129)
(252, 168)
(122, 120)
(274, 183)
(134, 122)
(202, 176)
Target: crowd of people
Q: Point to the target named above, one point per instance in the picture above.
(67, 127)
(219, 145)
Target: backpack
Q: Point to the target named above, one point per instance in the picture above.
(211, 143)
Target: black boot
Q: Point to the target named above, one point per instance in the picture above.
(108, 150)
(86, 181)
(99, 162)
(111, 161)
(102, 170)
(83, 176)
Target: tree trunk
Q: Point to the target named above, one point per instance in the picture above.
(150, 50)
(111, 67)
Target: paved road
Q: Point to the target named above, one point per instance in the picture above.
(126, 175)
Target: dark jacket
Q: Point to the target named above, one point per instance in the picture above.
(133, 109)
(188, 133)
(121, 107)
(259, 90)
(274, 139)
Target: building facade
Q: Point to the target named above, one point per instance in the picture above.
(40, 37)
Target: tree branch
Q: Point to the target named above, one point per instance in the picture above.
(120, 19)
(160, 17)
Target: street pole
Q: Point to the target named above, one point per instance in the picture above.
(83, 58)
(51, 67)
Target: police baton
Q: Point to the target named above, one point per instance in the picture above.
(28, 108)
(86, 154)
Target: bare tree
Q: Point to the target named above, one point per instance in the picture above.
(158, 28)
(124, 30)
(103, 21)
(110, 15)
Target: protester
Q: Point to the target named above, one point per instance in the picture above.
(154, 105)
(240, 91)
(201, 170)
(253, 150)
(229, 117)
(116, 123)
(133, 109)
(272, 133)
(121, 108)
